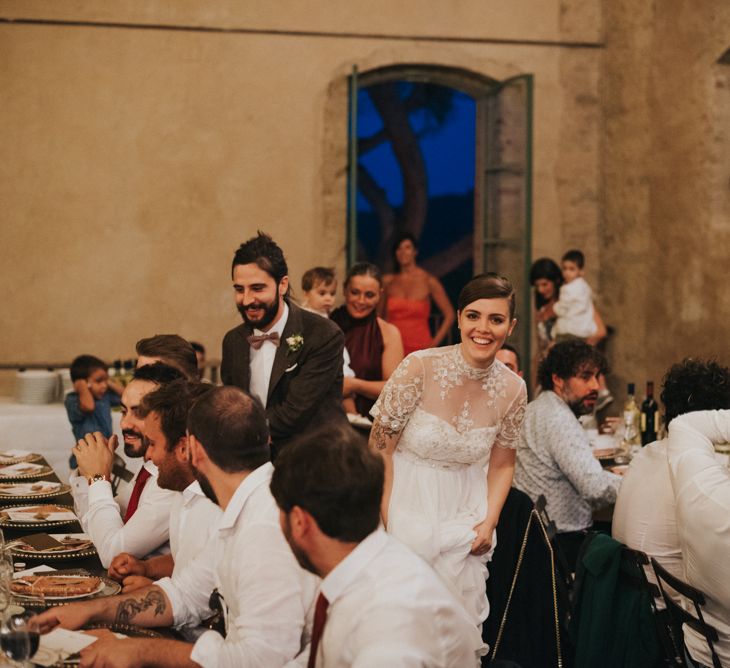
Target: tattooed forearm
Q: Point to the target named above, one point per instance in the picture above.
(380, 435)
(129, 608)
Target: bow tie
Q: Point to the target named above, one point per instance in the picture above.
(257, 340)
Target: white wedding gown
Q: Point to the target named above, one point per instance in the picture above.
(449, 415)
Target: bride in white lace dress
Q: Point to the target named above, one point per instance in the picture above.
(436, 422)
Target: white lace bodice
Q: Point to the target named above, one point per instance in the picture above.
(449, 413)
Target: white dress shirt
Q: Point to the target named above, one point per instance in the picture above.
(145, 532)
(702, 496)
(387, 607)
(574, 309)
(261, 361)
(80, 490)
(644, 517)
(267, 595)
(554, 458)
(193, 517)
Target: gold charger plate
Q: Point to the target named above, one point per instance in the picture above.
(56, 555)
(108, 587)
(37, 473)
(9, 461)
(5, 521)
(62, 489)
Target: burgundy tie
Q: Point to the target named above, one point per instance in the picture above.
(139, 484)
(320, 617)
(257, 340)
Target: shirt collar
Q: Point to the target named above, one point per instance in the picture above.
(151, 467)
(254, 480)
(340, 577)
(280, 323)
(192, 491)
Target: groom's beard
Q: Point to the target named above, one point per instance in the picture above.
(270, 311)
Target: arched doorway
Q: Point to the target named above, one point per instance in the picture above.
(445, 154)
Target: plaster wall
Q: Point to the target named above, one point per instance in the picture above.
(134, 160)
(666, 234)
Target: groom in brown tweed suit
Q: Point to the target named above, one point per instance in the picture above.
(289, 358)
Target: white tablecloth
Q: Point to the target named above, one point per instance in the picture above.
(45, 429)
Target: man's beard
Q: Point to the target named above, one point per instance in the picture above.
(205, 486)
(270, 311)
(580, 408)
(173, 477)
(300, 555)
(137, 449)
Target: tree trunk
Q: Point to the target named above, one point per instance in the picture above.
(394, 112)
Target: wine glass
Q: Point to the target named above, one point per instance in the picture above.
(19, 638)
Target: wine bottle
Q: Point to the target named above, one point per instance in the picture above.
(649, 416)
(632, 417)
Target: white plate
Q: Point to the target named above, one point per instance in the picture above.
(18, 548)
(36, 597)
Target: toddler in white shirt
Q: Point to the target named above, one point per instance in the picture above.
(319, 286)
(574, 308)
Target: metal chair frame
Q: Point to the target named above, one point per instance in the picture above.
(677, 615)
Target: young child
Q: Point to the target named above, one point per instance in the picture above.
(574, 307)
(89, 406)
(319, 286)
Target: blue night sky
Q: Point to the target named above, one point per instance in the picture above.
(448, 151)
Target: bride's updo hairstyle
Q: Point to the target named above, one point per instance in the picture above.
(487, 286)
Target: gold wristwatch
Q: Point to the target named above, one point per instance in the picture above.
(96, 477)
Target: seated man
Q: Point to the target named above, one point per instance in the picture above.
(509, 356)
(248, 568)
(192, 515)
(169, 349)
(379, 604)
(701, 487)
(554, 457)
(138, 520)
(644, 517)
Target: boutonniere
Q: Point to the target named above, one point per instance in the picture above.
(294, 342)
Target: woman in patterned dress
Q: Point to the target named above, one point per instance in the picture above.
(436, 422)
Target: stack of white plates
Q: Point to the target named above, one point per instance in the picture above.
(36, 386)
(66, 384)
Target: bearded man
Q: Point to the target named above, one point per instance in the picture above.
(286, 357)
(138, 520)
(554, 456)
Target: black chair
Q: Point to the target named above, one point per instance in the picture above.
(640, 561)
(564, 571)
(678, 616)
(612, 621)
(527, 593)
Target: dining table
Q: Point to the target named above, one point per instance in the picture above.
(84, 562)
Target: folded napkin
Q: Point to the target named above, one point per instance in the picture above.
(59, 644)
(36, 569)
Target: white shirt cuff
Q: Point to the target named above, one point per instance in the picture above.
(180, 615)
(101, 490)
(207, 648)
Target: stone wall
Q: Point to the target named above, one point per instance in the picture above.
(141, 142)
(666, 233)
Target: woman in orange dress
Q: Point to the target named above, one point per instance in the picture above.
(408, 295)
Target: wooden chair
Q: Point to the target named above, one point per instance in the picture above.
(677, 615)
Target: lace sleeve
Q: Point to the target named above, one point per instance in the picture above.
(511, 425)
(400, 396)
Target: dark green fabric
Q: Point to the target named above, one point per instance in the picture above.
(612, 623)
